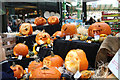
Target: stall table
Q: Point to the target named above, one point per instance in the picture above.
(62, 47)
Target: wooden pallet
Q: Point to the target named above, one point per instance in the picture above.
(8, 43)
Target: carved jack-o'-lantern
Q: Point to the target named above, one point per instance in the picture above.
(69, 29)
(76, 60)
(40, 21)
(99, 28)
(53, 60)
(42, 38)
(33, 65)
(26, 29)
(45, 73)
(18, 71)
(53, 20)
(20, 49)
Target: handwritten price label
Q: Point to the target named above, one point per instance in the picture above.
(113, 65)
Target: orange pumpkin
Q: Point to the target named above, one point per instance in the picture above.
(26, 29)
(42, 38)
(45, 73)
(76, 60)
(20, 49)
(99, 28)
(69, 29)
(57, 33)
(53, 20)
(40, 21)
(53, 60)
(18, 71)
(33, 65)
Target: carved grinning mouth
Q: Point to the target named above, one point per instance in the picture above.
(65, 29)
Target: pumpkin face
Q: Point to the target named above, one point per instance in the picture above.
(18, 71)
(45, 73)
(20, 49)
(69, 29)
(33, 65)
(26, 29)
(76, 60)
(42, 38)
(99, 28)
(40, 21)
(53, 20)
(54, 61)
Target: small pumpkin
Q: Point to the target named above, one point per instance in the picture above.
(57, 33)
(33, 65)
(43, 73)
(18, 71)
(69, 29)
(99, 28)
(85, 74)
(53, 60)
(76, 60)
(26, 29)
(40, 21)
(42, 38)
(53, 20)
(20, 49)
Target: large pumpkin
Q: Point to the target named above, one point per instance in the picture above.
(42, 38)
(99, 28)
(69, 29)
(53, 60)
(33, 65)
(40, 21)
(18, 71)
(53, 20)
(76, 60)
(26, 29)
(20, 49)
(45, 73)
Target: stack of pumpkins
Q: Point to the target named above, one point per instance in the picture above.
(75, 61)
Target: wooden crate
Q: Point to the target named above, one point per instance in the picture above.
(8, 43)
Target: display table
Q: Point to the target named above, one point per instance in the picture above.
(51, 29)
(62, 47)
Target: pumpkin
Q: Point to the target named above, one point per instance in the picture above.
(57, 33)
(99, 28)
(26, 29)
(85, 74)
(33, 65)
(69, 29)
(53, 20)
(40, 21)
(18, 71)
(53, 60)
(20, 49)
(44, 73)
(42, 38)
(76, 60)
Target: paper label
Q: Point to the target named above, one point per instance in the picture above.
(37, 49)
(20, 57)
(67, 37)
(26, 69)
(96, 37)
(77, 75)
(114, 64)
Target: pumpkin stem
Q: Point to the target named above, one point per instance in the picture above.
(52, 54)
(43, 30)
(24, 42)
(13, 64)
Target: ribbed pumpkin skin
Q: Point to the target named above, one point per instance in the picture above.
(40, 21)
(53, 20)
